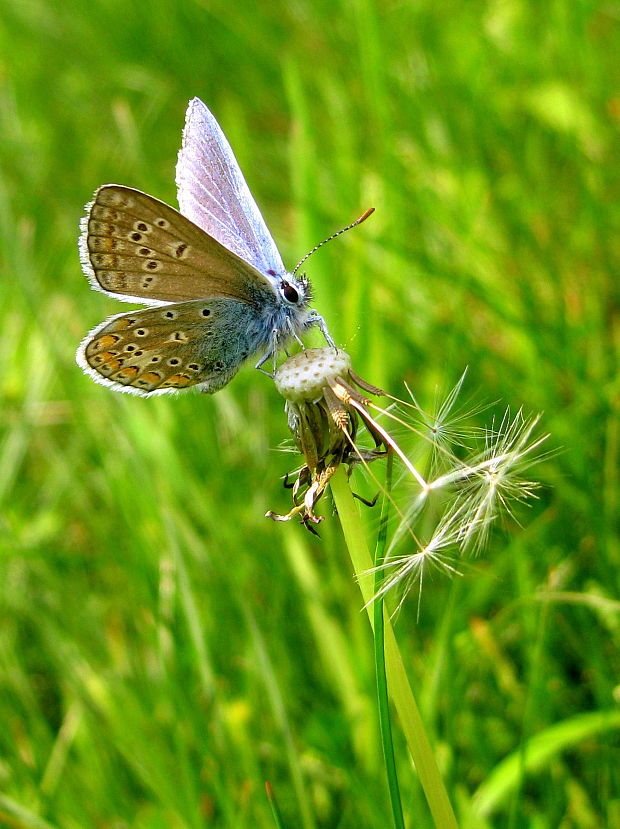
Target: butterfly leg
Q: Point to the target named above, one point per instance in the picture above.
(263, 360)
(294, 335)
(315, 318)
(272, 351)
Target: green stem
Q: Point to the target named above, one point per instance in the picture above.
(275, 809)
(400, 690)
(382, 688)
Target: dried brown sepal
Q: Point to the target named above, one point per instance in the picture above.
(337, 410)
(374, 390)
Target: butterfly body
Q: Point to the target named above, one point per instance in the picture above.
(213, 279)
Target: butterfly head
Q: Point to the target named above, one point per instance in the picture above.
(294, 291)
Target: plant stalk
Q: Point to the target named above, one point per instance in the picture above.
(398, 684)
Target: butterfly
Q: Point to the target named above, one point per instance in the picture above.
(216, 287)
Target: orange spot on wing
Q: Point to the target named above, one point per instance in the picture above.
(127, 373)
(123, 322)
(104, 357)
(151, 377)
(110, 366)
(106, 341)
(178, 381)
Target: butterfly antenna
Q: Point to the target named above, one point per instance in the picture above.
(357, 222)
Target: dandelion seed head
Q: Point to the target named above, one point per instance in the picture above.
(304, 376)
(325, 409)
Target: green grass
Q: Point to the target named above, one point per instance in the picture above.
(164, 649)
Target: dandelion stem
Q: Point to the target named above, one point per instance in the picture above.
(382, 688)
(398, 684)
(275, 809)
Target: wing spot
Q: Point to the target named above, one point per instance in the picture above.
(173, 361)
(113, 197)
(218, 366)
(122, 323)
(106, 260)
(169, 315)
(161, 223)
(144, 251)
(180, 250)
(193, 366)
(101, 243)
(141, 226)
(126, 375)
(179, 337)
(156, 358)
(151, 377)
(136, 237)
(178, 381)
(111, 367)
(206, 312)
(152, 265)
(105, 341)
(142, 332)
(130, 347)
(105, 356)
(98, 228)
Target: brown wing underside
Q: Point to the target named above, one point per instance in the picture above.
(202, 342)
(134, 246)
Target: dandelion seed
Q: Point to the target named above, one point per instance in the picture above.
(492, 482)
(447, 427)
(474, 494)
(404, 572)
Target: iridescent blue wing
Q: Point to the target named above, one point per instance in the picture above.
(213, 194)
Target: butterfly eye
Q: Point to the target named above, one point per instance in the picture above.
(289, 293)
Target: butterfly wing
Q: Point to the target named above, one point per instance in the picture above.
(162, 349)
(138, 249)
(212, 192)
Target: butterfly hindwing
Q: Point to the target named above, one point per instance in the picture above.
(156, 350)
(137, 248)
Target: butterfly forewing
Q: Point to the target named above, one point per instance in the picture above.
(213, 193)
(157, 350)
(138, 248)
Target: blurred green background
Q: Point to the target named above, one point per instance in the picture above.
(164, 649)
